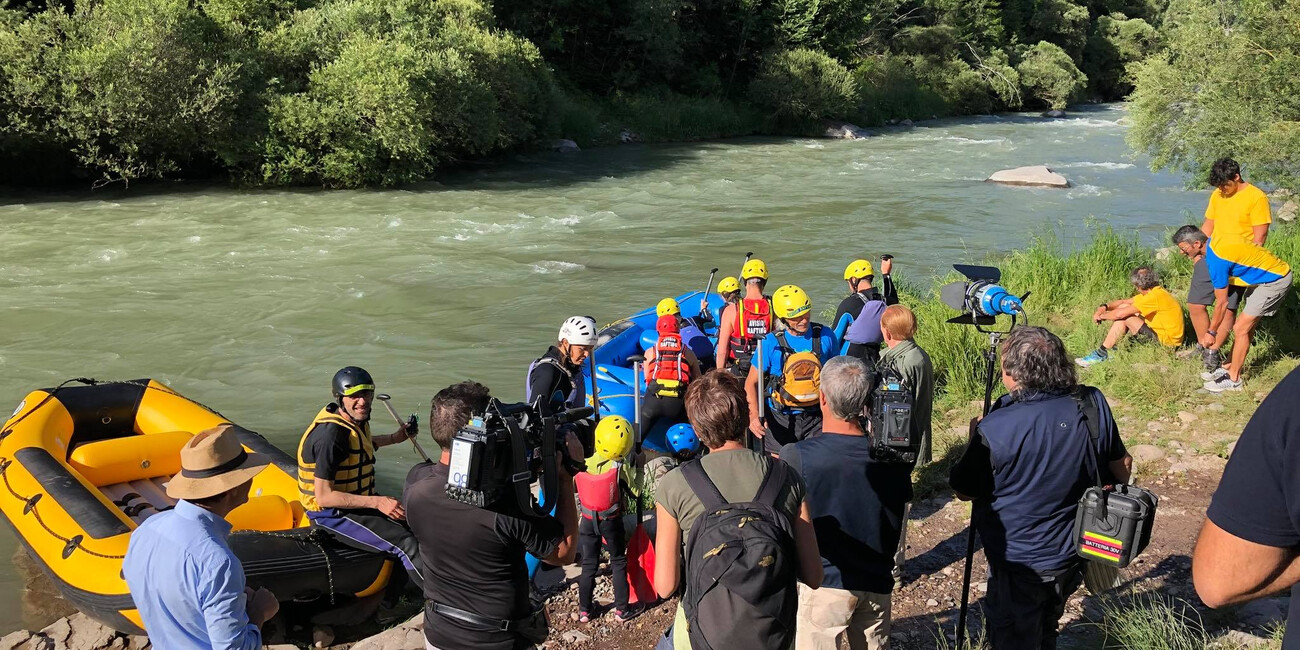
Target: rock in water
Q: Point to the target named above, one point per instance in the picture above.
(565, 146)
(1054, 113)
(845, 131)
(1034, 175)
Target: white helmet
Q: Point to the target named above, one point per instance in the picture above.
(579, 330)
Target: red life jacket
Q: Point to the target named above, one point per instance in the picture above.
(668, 369)
(753, 319)
(598, 495)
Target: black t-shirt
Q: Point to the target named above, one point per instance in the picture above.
(852, 305)
(327, 446)
(857, 506)
(473, 559)
(1258, 498)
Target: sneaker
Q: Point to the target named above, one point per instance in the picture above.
(1215, 375)
(624, 615)
(1089, 360)
(584, 617)
(1212, 359)
(1223, 384)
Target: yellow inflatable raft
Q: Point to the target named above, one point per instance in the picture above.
(82, 466)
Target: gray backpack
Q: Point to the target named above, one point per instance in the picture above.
(740, 568)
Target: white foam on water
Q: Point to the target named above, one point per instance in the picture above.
(814, 146)
(1083, 191)
(194, 239)
(556, 266)
(394, 222)
(1100, 165)
(960, 140)
(356, 293)
(571, 220)
(108, 255)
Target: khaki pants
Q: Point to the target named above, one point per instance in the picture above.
(827, 614)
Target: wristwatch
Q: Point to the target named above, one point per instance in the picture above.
(1211, 332)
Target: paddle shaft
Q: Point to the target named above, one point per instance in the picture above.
(704, 301)
(393, 412)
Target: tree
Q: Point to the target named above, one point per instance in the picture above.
(1048, 75)
(1228, 84)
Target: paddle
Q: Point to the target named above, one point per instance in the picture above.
(384, 398)
(704, 299)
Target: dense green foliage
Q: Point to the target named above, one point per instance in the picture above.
(347, 93)
(1227, 84)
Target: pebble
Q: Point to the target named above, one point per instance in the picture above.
(932, 603)
(1186, 417)
(573, 637)
(322, 636)
(1214, 406)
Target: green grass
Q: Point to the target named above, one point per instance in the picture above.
(1151, 622)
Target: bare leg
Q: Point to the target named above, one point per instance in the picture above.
(1119, 328)
(1229, 320)
(1242, 332)
(1200, 316)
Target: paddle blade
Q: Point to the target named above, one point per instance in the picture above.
(640, 568)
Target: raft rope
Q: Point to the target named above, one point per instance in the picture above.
(70, 544)
(315, 536)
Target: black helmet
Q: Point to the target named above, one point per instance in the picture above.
(350, 381)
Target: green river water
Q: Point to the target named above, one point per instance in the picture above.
(248, 301)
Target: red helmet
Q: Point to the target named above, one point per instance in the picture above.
(667, 323)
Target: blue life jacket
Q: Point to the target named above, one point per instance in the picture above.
(865, 329)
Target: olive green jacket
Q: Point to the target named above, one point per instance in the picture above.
(909, 360)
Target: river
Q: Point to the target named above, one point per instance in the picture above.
(249, 300)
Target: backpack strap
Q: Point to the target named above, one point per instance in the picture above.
(1082, 396)
(773, 482)
(781, 342)
(816, 331)
(700, 483)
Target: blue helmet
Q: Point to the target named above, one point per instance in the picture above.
(682, 438)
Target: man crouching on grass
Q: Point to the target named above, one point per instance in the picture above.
(1153, 315)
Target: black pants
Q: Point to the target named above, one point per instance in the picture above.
(370, 530)
(868, 352)
(590, 532)
(1022, 608)
(670, 409)
(785, 428)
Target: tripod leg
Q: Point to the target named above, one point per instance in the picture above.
(991, 360)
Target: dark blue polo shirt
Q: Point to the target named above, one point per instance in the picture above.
(1027, 468)
(1258, 499)
(857, 508)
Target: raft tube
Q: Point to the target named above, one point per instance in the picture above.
(83, 466)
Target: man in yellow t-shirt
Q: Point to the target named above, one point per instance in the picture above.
(1237, 213)
(1151, 315)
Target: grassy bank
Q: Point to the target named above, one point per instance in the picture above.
(1147, 386)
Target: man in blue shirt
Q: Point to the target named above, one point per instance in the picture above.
(1026, 467)
(184, 579)
(857, 503)
(791, 363)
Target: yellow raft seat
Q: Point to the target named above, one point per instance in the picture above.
(82, 466)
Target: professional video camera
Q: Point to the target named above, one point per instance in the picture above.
(891, 420)
(980, 299)
(506, 449)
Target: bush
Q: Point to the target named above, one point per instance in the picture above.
(131, 88)
(396, 89)
(892, 89)
(1062, 23)
(803, 86)
(1047, 74)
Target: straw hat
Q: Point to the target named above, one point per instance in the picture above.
(212, 462)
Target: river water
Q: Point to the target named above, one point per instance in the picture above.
(248, 301)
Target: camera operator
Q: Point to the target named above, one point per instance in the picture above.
(476, 581)
(864, 306)
(857, 504)
(1026, 467)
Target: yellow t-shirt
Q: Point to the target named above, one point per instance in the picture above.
(1163, 314)
(1235, 216)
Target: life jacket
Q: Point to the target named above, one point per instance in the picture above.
(865, 329)
(799, 385)
(577, 395)
(355, 475)
(753, 320)
(669, 370)
(598, 495)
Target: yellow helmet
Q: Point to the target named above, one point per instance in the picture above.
(790, 301)
(667, 306)
(614, 437)
(728, 284)
(754, 269)
(858, 269)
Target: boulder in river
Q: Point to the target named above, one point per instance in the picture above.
(845, 131)
(1054, 114)
(565, 146)
(1034, 175)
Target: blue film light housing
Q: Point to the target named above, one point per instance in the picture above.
(980, 298)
